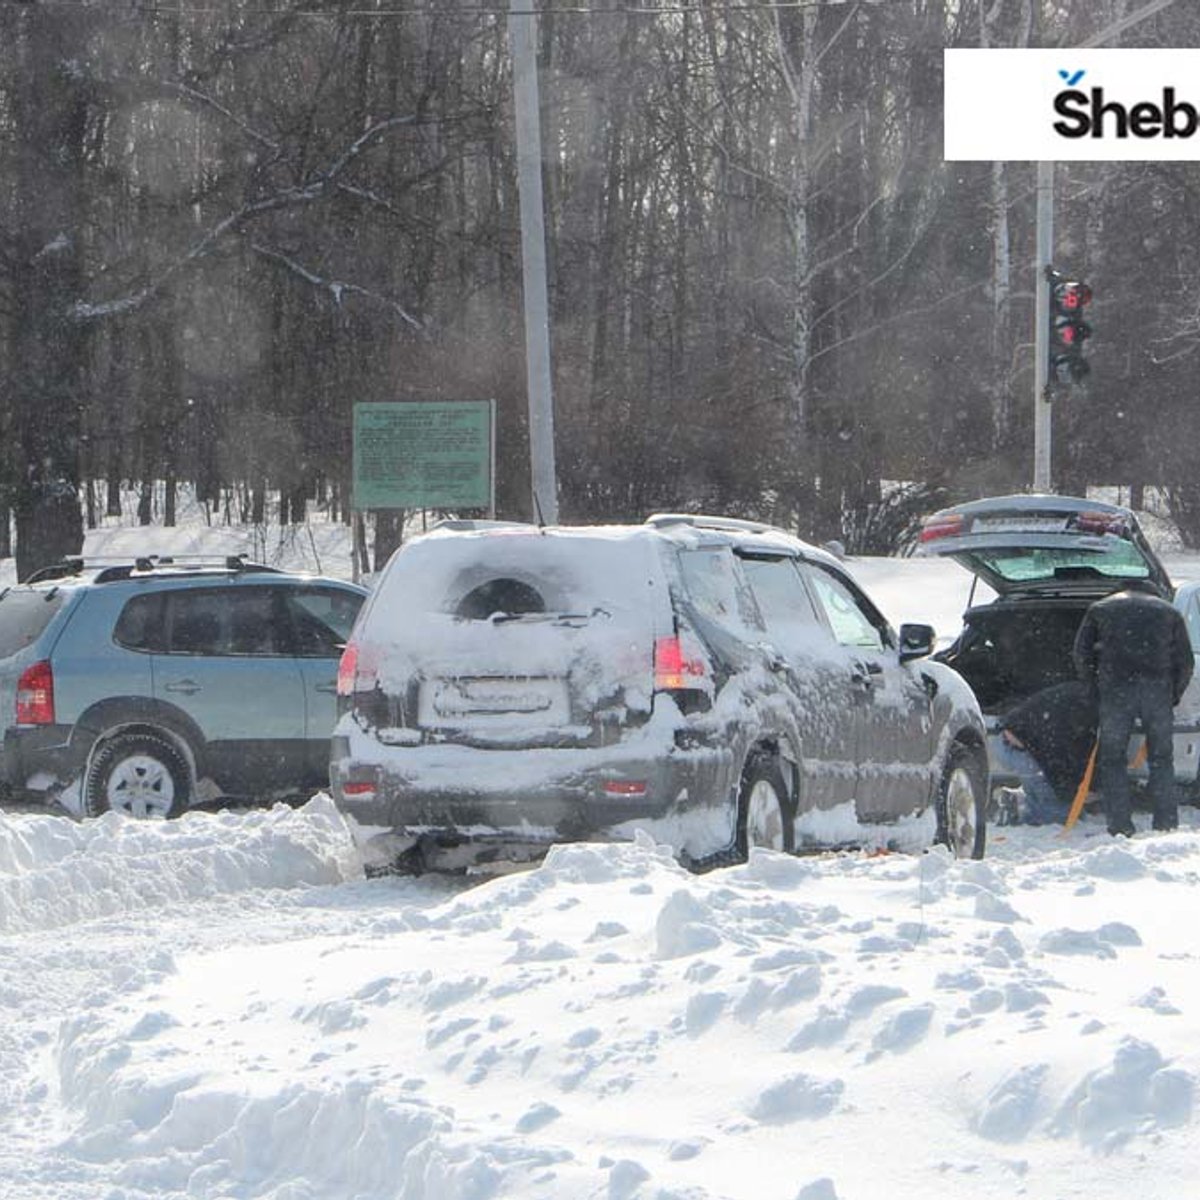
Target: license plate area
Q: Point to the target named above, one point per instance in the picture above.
(483, 700)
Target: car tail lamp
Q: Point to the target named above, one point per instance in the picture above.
(673, 668)
(35, 695)
(347, 665)
(1099, 523)
(949, 525)
(354, 674)
(625, 788)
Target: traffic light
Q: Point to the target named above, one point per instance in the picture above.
(1069, 299)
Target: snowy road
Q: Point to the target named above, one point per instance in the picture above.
(222, 1007)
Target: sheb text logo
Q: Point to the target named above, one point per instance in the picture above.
(1089, 114)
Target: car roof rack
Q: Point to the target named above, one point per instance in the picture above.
(109, 569)
(701, 521)
(467, 524)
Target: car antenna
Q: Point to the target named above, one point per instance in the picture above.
(537, 508)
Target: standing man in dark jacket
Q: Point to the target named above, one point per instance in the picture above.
(1133, 648)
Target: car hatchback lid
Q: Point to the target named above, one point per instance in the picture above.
(514, 630)
(1044, 544)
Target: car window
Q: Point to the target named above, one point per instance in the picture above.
(23, 616)
(1193, 620)
(714, 588)
(223, 621)
(141, 625)
(786, 606)
(854, 623)
(321, 619)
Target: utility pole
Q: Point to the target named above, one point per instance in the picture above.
(1042, 406)
(522, 40)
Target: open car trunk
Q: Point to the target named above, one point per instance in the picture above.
(1008, 651)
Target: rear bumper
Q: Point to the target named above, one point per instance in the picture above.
(37, 759)
(455, 794)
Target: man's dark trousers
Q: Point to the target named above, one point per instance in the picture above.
(1120, 705)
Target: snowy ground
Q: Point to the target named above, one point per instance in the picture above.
(224, 1007)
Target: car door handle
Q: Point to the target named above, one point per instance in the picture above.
(189, 687)
(863, 673)
(330, 686)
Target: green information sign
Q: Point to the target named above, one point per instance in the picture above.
(424, 454)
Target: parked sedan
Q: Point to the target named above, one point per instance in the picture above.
(1047, 558)
(715, 684)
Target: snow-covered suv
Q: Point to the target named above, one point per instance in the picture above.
(151, 686)
(718, 684)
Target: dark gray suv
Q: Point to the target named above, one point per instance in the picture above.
(152, 686)
(716, 684)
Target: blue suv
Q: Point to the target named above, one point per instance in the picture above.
(154, 686)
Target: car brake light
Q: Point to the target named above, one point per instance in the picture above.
(347, 665)
(35, 695)
(936, 527)
(624, 787)
(1099, 523)
(672, 669)
(362, 787)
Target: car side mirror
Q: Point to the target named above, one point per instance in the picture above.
(916, 641)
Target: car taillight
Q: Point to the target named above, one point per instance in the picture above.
(1100, 523)
(347, 666)
(673, 669)
(35, 695)
(936, 527)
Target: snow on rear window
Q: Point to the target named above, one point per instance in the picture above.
(520, 604)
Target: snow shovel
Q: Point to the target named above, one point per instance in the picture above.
(1081, 793)
(1085, 784)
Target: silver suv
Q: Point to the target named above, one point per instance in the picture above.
(151, 686)
(718, 684)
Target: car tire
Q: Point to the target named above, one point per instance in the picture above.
(765, 811)
(138, 774)
(962, 803)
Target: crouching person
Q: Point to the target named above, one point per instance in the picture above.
(1045, 741)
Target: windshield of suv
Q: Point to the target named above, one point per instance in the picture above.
(23, 616)
(1026, 565)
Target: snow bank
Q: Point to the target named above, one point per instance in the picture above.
(56, 872)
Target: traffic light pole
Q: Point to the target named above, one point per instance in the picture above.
(1045, 250)
(1041, 344)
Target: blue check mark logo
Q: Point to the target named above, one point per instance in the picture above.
(1071, 77)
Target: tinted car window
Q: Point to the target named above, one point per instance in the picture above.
(321, 620)
(195, 623)
(23, 616)
(140, 626)
(853, 623)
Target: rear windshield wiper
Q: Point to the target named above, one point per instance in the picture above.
(555, 618)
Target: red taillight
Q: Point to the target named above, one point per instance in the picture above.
(35, 695)
(936, 527)
(672, 668)
(347, 666)
(362, 787)
(1099, 523)
(624, 787)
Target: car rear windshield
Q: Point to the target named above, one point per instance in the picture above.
(24, 613)
(523, 577)
(1029, 565)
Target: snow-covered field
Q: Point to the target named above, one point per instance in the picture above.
(223, 1007)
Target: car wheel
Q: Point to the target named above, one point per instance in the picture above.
(764, 809)
(962, 803)
(139, 775)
